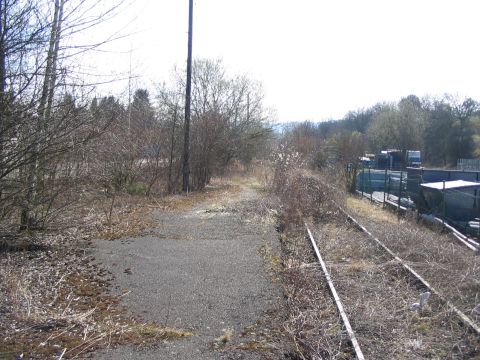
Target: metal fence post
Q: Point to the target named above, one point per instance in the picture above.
(370, 184)
(443, 205)
(363, 178)
(384, 186)
(389, 184)
(400, 192)
(478, 229)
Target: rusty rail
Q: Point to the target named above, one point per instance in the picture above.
(338, 303)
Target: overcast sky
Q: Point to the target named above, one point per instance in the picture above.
(316, 59)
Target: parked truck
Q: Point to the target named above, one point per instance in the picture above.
(414, 158)
(394, 159)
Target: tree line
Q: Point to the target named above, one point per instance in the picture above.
(144, 143)
(59, 142)
(445, 129)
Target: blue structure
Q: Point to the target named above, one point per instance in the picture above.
(393, 159)
(453, 195)
(389, 159)
(456, 201)
(414, 158)
(417, 176)
(370, 180)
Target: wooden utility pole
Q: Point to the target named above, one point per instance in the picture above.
(188, 92)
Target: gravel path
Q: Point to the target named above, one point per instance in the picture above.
(198, 270)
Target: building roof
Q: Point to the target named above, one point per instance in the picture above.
(455, 184)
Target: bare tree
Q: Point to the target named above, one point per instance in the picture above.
(36, 167)
(38, 126)
(229, 121)
(169, 114)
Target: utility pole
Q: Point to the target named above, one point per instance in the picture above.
(188, 92)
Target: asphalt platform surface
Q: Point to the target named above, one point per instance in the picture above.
(198, 270)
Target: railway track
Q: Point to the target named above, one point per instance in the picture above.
(465, 319)
(416, 282)
(336, 298)
(383, 274)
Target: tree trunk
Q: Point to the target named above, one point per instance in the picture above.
(3, 80)
(36, 169)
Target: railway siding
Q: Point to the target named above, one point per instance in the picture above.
(377, 296)
(447, 265)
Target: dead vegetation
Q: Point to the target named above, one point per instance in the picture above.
(55, 300)
(58, 307)
(313, 323)
(450, 267)
(214, 191)
(377, 295)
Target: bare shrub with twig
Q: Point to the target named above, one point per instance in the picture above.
(303, 196)
(313, 323)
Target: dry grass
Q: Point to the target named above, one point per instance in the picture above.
(313, 323)
(132, 215)
(376, 292)
(151, 332)
(273, 262)
(257, 175)
(54, 306)
(210, 195)
(377, 295)
(54, 299)
(361, 206)
(223, 339)
(449, 266)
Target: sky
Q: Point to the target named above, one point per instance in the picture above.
(316, 59)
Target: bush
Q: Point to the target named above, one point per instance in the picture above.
(137, 188)
(319, 160)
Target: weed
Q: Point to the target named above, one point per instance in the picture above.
(222, 339)
(257, 346)
(272, 261)
(375, 293)
(359, 266)
(423, 327)
(137, 188)
(151, 331)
